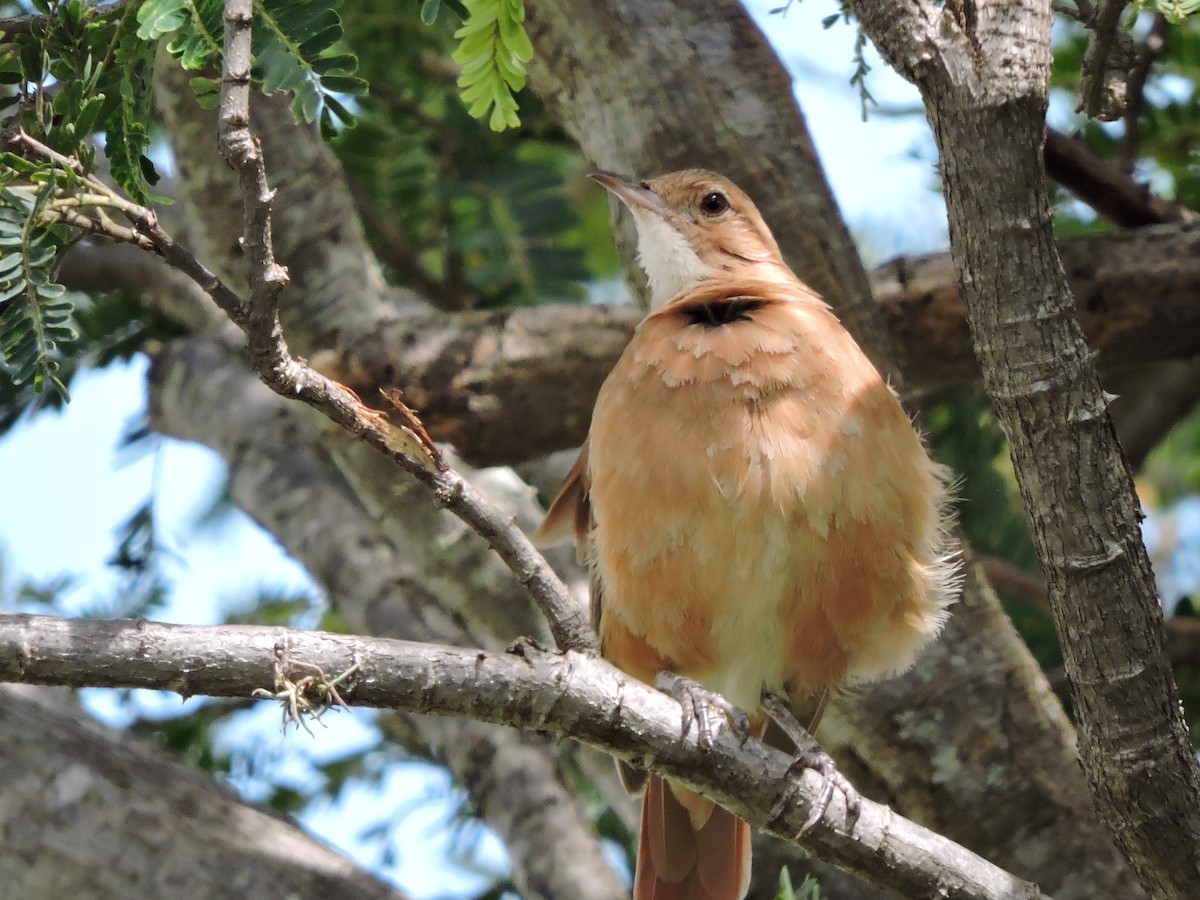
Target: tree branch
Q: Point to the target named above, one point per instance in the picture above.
(1105, 187)
(1102, 81)
(1152, 48)
(567, 694)
(89, 811)
(511, 385)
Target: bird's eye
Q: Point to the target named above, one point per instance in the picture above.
(713, 204)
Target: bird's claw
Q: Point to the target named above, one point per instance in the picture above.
(696, 701)
(821, 762)
(810, 755)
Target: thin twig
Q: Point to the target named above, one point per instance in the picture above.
(1152, 48)
(1102, 81)
(21, 136)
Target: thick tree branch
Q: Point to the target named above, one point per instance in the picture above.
(569, 694)
(89, 811)
(988, 122)
(648, 86)
(510, 385)
(1183, 634)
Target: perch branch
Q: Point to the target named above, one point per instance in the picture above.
(565, 694)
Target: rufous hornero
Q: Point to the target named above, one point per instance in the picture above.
(759, 517)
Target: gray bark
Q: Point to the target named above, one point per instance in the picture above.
(985, 91)
(72, 788)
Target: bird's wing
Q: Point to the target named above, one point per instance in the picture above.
(570, 514)
(570, 517)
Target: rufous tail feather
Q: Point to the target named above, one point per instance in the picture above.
(690, 848)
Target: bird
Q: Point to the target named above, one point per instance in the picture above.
(761, 520)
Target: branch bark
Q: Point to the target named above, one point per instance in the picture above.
(985, 93)
(1106, 188)
(567, 694)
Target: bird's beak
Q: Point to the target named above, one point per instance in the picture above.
(633, 195)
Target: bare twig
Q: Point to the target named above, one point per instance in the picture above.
(1102, 82)
(1152, 48)
(21, 136)
(564, 694)
(291, 377)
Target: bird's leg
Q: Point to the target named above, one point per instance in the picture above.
(696, 701)
(810, 755)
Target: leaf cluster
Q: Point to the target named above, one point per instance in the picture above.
(35, 312)
(493, 49)
(78, 76)
(297, 48)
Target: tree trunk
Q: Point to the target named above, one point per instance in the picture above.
(984, 80)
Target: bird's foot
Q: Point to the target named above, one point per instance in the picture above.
(810, 755)
(697, 701)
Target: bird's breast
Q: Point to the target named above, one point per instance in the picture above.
(763, 509)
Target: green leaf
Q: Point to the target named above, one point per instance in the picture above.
(430, 10)
(159, 17)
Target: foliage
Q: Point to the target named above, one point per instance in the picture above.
(493, 49)
(809, 889)
(35, 313)
(296, 48)
(468, 217)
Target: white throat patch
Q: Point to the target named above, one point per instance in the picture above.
(667, 257)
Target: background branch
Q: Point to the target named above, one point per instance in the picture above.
(67, 778)
(1105, 187)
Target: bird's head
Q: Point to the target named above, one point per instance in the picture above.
(692, 225)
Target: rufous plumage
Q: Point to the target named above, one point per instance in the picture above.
(755, 507)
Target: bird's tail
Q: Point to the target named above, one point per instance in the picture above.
(690, 848)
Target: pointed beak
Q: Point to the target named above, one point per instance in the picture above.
(633, 195)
